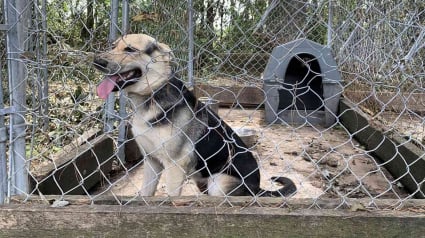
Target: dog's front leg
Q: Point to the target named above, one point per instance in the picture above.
(151, 175)
(174, 178)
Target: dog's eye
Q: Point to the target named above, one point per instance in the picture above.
(130, 49)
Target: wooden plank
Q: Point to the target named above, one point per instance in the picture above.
(404, 160)
(251, 96)
(246, 96)
(131, 149)
(63, 156)
(145, 221)
(237, 201)
(78, 170)
(392, 101)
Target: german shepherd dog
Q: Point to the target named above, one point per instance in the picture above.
(178, 135)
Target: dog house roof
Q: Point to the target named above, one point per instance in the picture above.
(282, 55)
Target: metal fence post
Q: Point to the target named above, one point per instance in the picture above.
(329, 30)
(125, 16)
(3, 138)
(123, 99)
(110, 101)
(110, 113)
(43, 74)
(14, 17)
(191, 29)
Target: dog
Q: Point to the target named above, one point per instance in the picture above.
(178, 135)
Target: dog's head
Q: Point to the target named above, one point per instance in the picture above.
(137, 63)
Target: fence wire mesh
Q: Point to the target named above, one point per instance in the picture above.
(58, 137)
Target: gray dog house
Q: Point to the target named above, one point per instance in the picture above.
(302, 84)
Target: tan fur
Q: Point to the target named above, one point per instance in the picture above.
(156, 69)
(157, 144)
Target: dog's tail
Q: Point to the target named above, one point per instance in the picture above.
(288, 189)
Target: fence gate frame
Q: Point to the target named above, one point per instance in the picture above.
(16, 15)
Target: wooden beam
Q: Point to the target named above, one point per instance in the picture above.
(35, 220)
(131, 149)
(237, 201)
(251, 96)
(404, 160)
(245, 96)
(392, 101)
(77, 168)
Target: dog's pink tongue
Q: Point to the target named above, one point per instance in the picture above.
(106, 86)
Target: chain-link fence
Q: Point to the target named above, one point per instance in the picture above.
(58, 137)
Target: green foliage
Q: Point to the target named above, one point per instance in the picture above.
(76, 22)
(231, 37)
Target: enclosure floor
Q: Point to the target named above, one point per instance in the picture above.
(322, 162)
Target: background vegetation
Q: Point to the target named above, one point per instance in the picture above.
(231, 37)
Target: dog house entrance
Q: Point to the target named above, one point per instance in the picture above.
(302, 88)
(302, 84)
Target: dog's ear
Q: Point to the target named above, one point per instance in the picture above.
(165, 49)
(156, 46)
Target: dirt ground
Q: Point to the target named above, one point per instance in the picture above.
(322, 162)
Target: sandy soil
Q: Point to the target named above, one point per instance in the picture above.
(322, 162)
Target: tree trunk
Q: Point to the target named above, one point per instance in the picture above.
(87, 29)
